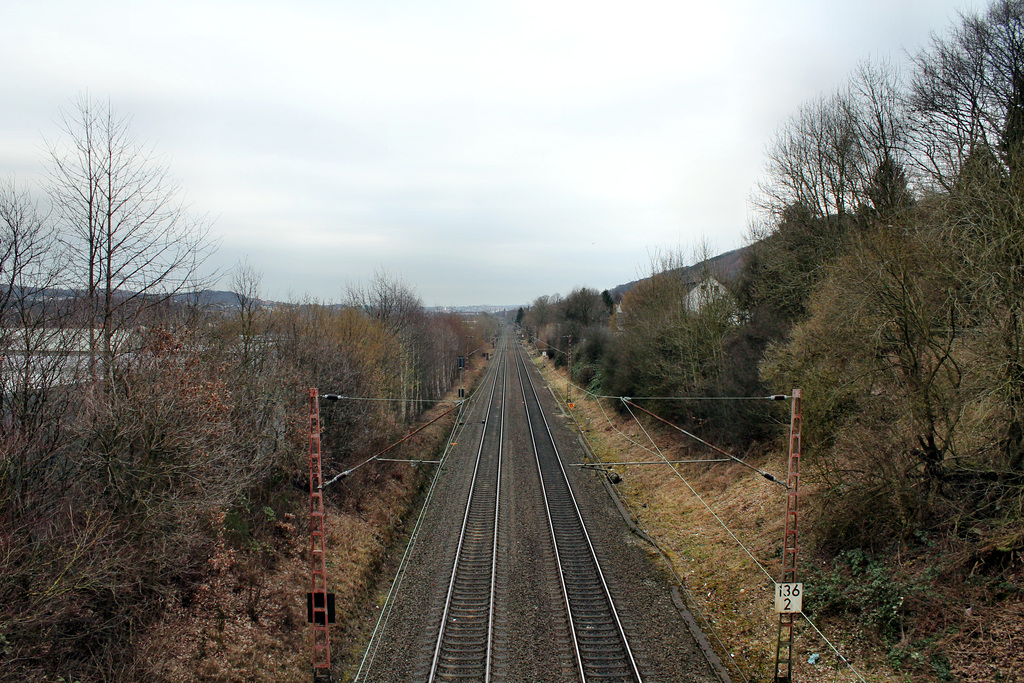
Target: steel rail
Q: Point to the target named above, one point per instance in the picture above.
(600, 644)
(456, 654)
(467, 407)
(497, 509)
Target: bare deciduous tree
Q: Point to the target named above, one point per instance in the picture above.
(131, 241)
(815, 161)
(32, 340)
(27, 261)
(882, 132)
(245, 285)
(967, 92)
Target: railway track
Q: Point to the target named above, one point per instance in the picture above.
(601, 649)
(463, 650)
(504, 583)
(465, 645)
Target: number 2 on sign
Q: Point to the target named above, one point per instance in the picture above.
(789, 598)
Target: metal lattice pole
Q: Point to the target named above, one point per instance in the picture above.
(784, 643)
(318, 567)
(568, 374)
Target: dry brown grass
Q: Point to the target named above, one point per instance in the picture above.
(223, 636)
(720, 580)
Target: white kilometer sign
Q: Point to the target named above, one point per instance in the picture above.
(789, 598)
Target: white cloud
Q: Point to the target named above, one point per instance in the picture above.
(489, 152)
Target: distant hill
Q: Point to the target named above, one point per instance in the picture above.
(480, 308)
(207, 298)
(724, 267)
(220, 300)
(210, 297)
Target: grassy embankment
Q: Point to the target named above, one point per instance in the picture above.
(927, 613)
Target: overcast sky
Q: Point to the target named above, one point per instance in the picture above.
(484, 152)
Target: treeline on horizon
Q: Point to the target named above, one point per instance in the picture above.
(139, 432)
(885, 278)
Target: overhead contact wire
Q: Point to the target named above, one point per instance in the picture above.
(585, 535)
(730, 457)
(703, 502)
(658, 452)
(396, 584)
(707, 623)
(462, 535)
(767, 475)
(345, 473)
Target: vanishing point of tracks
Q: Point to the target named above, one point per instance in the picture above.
(465, 645)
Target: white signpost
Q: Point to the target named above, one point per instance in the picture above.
(789, 598)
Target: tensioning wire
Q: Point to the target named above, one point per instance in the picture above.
(707, 623)
(345, 473)
(339, 397)
(767, 475)
(396, 582)
(640, 462)
(664, 460)
(610, 423)
(626, 400)
(834, 649)
(597, 400)
(703, 502)
(376, 456)
(773, 397)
